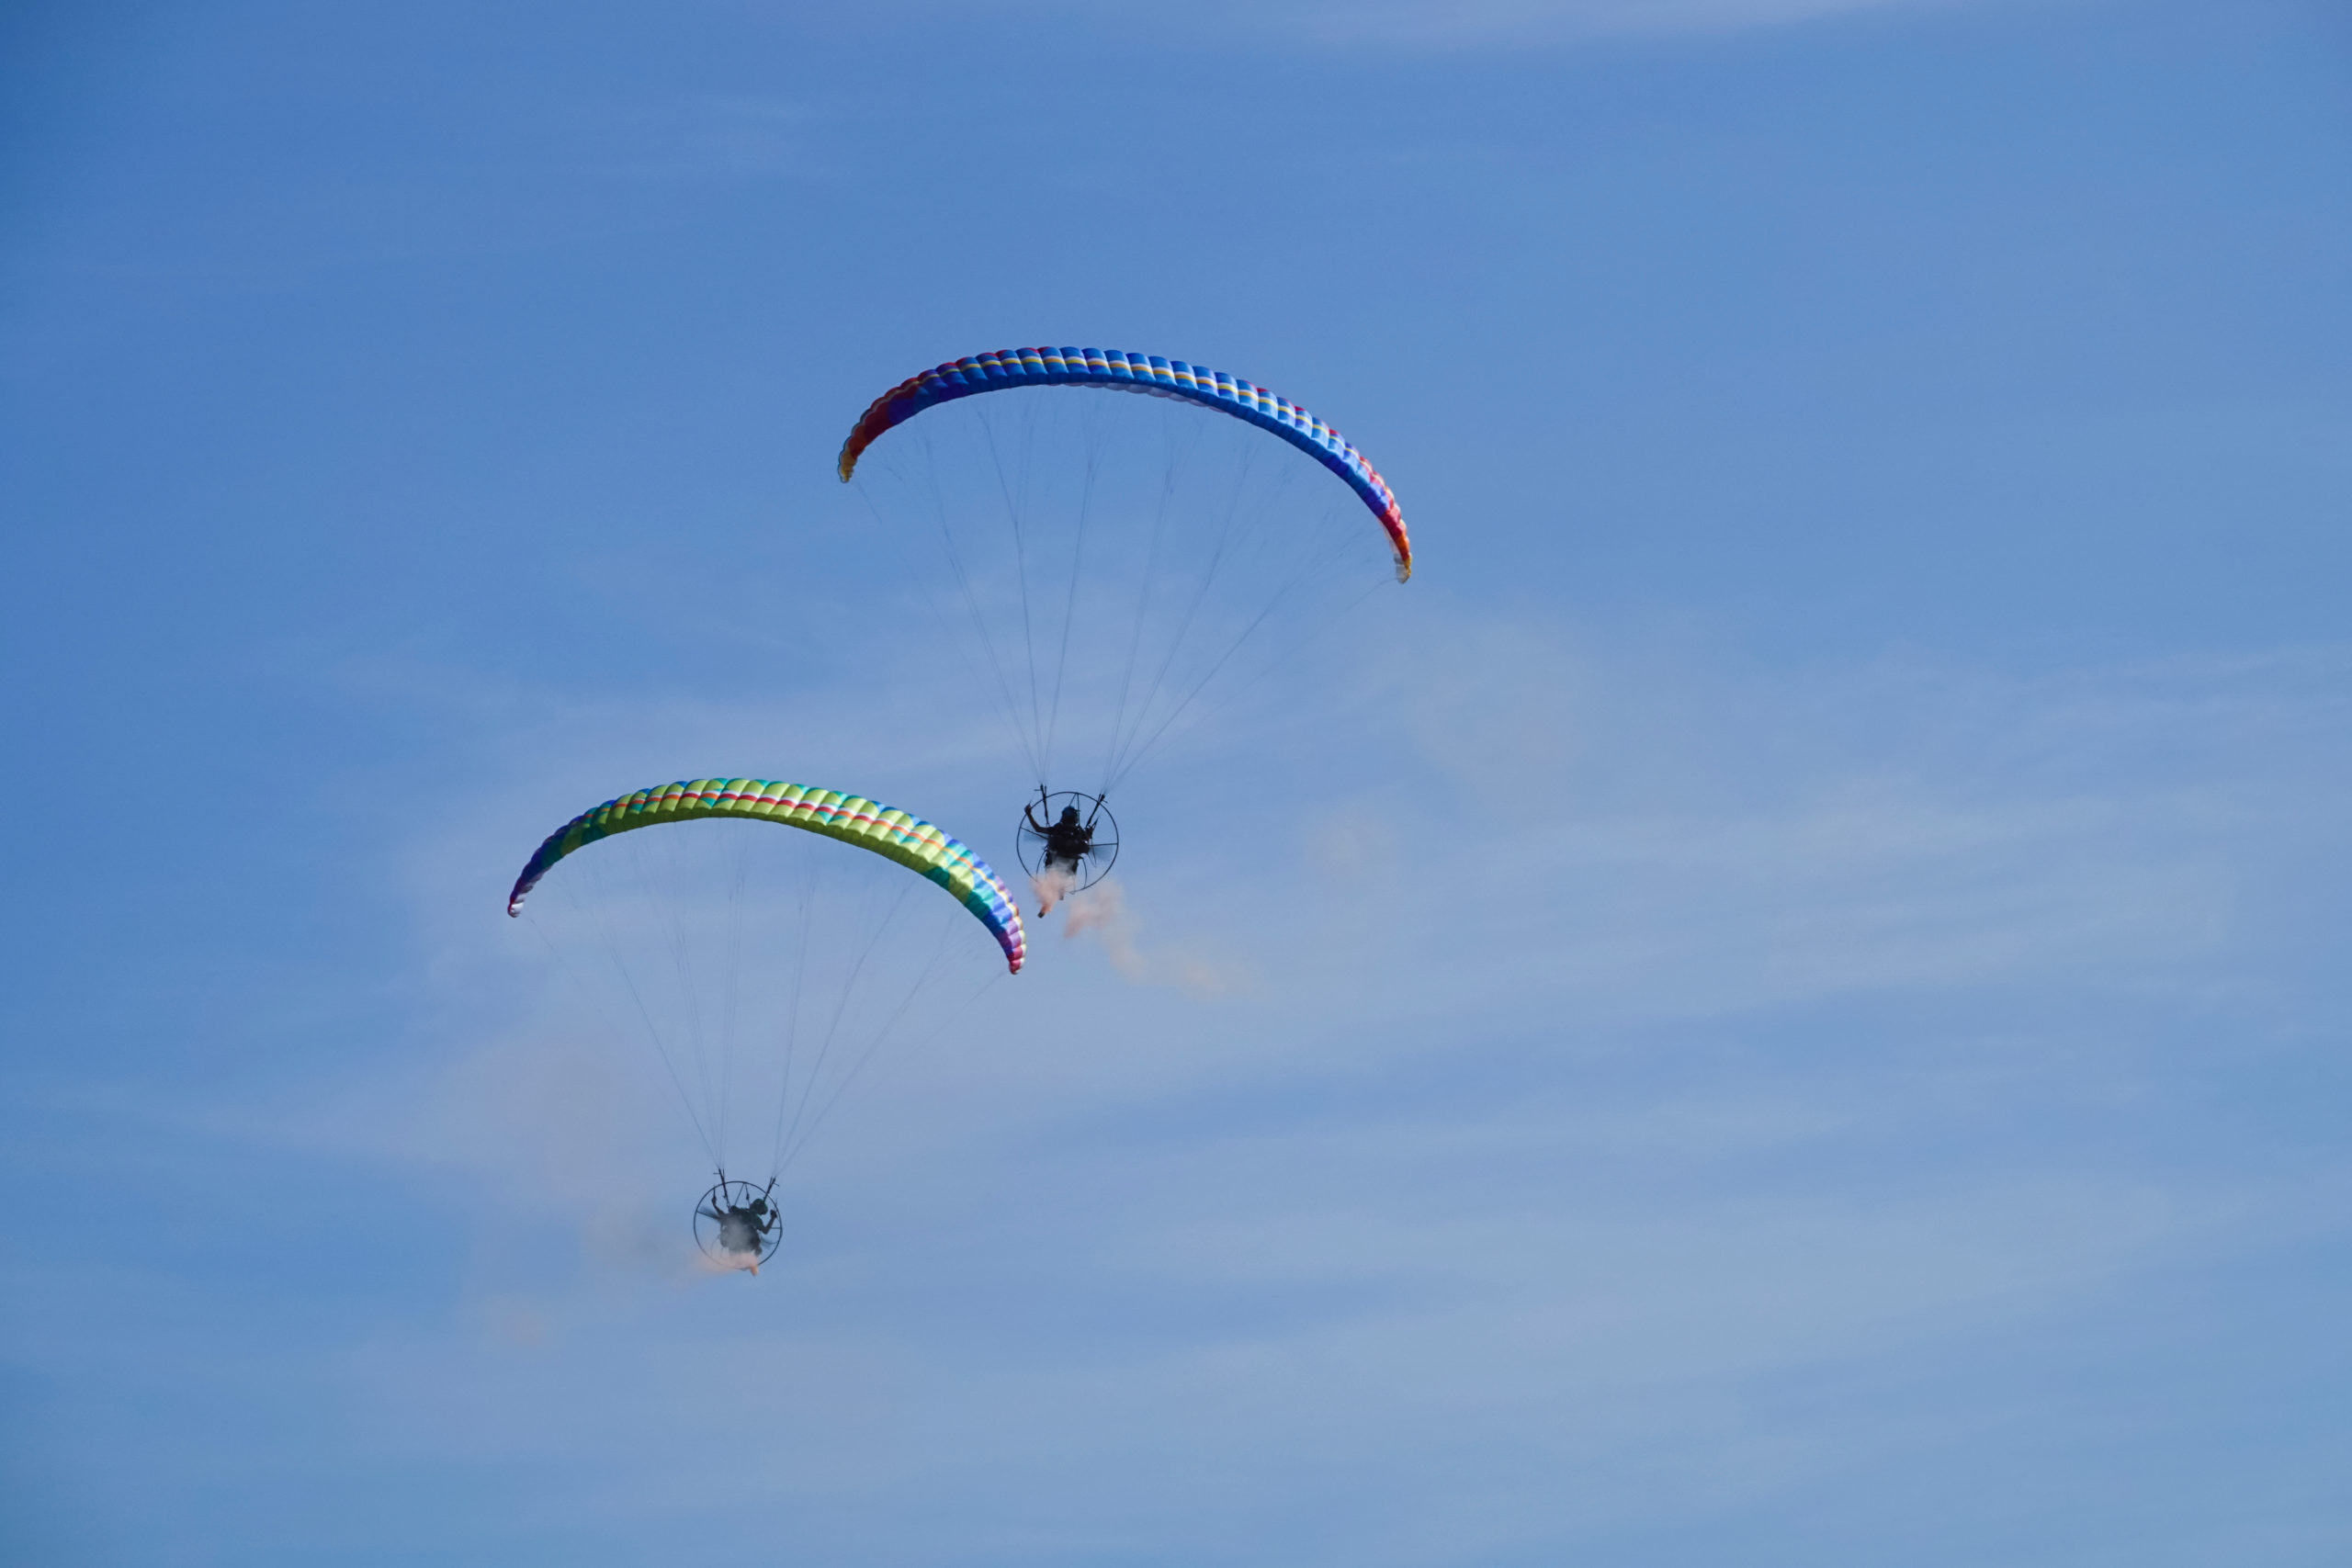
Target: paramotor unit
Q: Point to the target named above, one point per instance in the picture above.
(1068, 836)
(736, 1226)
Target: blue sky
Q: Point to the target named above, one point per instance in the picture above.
(1798, 1015)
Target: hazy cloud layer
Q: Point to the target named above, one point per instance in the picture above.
(1516, 1193)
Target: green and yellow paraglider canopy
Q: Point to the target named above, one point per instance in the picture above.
(927, 850)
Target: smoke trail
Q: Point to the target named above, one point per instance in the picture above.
(1052, 886)
(1103, 910)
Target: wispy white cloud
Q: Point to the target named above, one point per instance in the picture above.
(1671, 842)
(1484, 22)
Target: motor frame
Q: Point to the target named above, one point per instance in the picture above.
(730, 1194)
(1030, 844)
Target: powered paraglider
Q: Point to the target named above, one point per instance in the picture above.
(766, 969)
(1118, 566)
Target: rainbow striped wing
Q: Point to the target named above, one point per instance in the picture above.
(914, 843)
